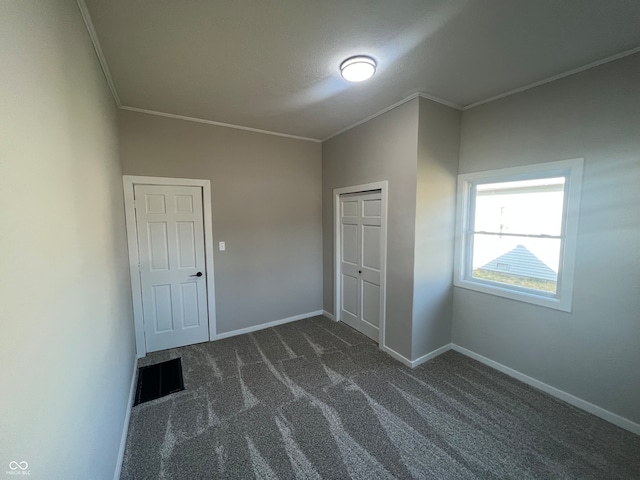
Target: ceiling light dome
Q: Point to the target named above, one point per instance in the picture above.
(357, 69)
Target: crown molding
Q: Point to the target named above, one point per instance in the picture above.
(440, 100)
(371, 117)
(107, 74)
(98, 49)
(219, 124)
(391, 107)
(554, 78)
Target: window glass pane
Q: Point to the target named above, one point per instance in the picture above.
(520, 261)
(529, 207)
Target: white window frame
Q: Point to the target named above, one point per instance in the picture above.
(572, 171)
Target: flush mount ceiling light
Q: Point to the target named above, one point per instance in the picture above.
(357, 69)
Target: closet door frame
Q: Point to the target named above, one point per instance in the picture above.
(383, 186)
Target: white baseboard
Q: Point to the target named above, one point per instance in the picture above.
(328, 315)
(262, 326)
(553, 391)
(127, 417)
(430, 355)
(417, 361)
(396, 355)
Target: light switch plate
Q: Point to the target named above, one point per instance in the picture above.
(222, 246)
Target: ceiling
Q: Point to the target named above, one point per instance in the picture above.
(273, 64)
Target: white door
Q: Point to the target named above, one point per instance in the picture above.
(173, 276)
(361, 247)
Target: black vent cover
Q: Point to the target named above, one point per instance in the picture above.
(158, 380)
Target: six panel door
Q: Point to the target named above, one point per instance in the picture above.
(173, 275)
(361, 247)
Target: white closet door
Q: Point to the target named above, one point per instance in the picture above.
(361, 246)
(350, 224)
(173, 277)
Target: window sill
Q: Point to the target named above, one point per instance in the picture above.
(525, 297)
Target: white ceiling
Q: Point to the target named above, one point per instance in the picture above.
(273, 64)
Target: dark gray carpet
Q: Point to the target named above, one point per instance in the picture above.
(315, 399)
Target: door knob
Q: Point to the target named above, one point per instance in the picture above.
(199, 274)
(359, 271)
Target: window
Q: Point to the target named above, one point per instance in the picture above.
(516, 232)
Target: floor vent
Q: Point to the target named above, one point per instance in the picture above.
(158, 380)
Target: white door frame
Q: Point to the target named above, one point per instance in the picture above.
(337, 251)
(129, 183)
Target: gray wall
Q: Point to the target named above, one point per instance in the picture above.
(594, 351)
(67, 346)
(384, 148)
(266, 206)
(438, 145)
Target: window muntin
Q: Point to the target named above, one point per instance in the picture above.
(517, 233)
(517, 230)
